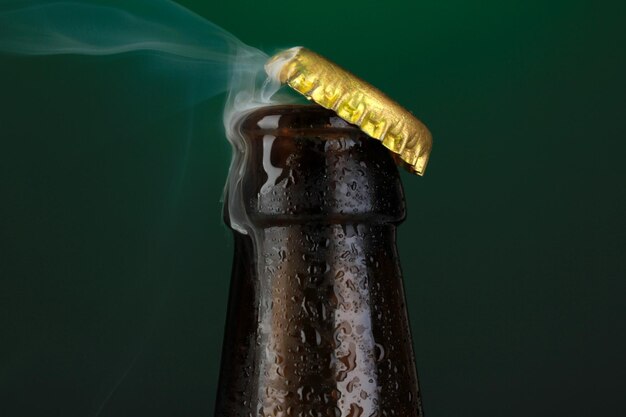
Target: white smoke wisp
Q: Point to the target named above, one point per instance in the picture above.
(206, 58)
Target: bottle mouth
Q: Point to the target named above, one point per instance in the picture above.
(306, 165)
(293, 119)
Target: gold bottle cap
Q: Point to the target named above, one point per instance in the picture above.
(356, 102)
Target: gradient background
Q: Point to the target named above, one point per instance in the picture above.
(115, 264)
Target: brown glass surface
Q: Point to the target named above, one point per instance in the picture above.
(317, 323)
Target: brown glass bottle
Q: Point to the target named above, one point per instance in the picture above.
(317, 324)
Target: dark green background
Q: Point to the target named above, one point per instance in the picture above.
(114, 262)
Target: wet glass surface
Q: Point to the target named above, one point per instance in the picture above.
(317, 322)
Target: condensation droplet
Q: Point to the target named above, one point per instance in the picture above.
(355, 410)
(380, 352)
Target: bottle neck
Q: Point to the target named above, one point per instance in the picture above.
(321, 316)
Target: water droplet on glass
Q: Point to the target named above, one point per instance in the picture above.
(355, 411)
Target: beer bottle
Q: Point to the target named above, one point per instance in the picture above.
(317, 324)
